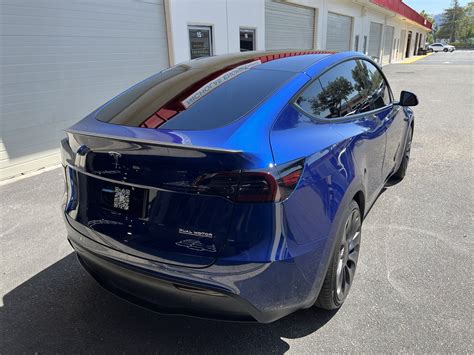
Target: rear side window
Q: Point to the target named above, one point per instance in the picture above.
(350, 88)
(193, 99)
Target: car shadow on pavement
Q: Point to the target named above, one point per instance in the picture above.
(62, 309)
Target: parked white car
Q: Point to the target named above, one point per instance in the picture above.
(439, 47)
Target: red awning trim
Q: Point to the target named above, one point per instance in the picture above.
(404, 10)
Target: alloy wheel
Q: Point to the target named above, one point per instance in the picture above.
(348, 255)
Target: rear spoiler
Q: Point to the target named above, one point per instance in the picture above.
(153, 142)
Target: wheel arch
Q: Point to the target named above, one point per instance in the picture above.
(360, 199)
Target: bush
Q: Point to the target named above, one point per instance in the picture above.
(463, 45)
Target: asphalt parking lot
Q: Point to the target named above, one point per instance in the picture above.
(413, 290)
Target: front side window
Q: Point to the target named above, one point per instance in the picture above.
(378, 89)
(350, 88)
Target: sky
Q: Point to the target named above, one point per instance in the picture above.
(433, 7)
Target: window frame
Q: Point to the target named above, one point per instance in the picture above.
(209, 27)
(349, 118)
(252, 29)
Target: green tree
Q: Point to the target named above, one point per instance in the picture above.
(466, 25)
(427, 16)
(334, 94)
(361, 77)
(432, 35)
(453, 18)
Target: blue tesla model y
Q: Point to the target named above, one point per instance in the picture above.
(235, 187)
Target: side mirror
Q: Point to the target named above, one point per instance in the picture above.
(408, 99)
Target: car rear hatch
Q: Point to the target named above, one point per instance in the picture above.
(149, 173)
(161, 202)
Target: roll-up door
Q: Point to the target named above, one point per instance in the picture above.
(375, 36)
(387, 44)
(401, 44)
(63, 59)
(338, 32)
(288, 26)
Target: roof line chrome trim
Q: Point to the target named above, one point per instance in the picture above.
(152, 142)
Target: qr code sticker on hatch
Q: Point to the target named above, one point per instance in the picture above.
(122, 198)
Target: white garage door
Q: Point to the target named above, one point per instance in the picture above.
(387, 44)
(375, 36)
(288, 26)
(61, 60)
(339, 32)
(401, 44)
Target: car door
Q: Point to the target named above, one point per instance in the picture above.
(393, 119)
(341, 96)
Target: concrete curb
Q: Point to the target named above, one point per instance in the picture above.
(414, 59)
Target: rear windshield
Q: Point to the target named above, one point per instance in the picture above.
(193, 99)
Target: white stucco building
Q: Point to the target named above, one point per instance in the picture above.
(62, 59)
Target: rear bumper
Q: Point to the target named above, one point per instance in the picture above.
(149, 291)
(263, 292)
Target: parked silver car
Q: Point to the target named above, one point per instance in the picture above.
(440, 47)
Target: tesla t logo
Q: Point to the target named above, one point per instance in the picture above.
(116, 157)
(81, 154)
(82, 150)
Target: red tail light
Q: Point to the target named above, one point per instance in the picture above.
(290, 175)
(257, 187)
(292, 178)
(251, 186)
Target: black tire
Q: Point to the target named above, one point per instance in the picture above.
(445, 50)
(401, 172)
(342, 267)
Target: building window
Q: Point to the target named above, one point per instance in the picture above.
(247, 39)
(365, 45)
(200, 41)
(356, 43)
